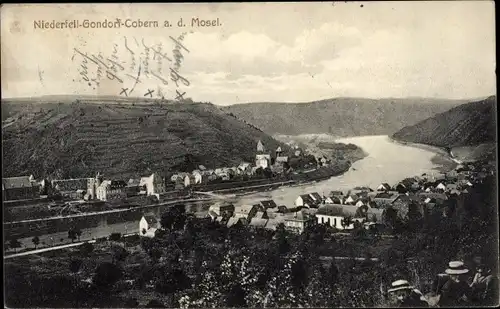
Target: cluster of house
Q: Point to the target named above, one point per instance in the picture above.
(263, 159)
(20, 188)
(97, 188)
(361, 206)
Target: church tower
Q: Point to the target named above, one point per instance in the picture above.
(260, 147)
(98, 179)
(278, 152)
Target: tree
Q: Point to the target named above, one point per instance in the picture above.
(115, 236)
(174, 218)
(391, 218)
(359, 232)
(72, 235)
(332, 273)
(281, 236)
(78, 233)
(346, 222)
(86, 248)
(236, 297)
(318, 292)
(131, 303)
(414, 217)
(14, 244)
(74, 265)
(106, 275)
(146, 244)
(268, 173)
(280, 290)
(36, 241)
(155, 254)
(259, 172)
(118, 253)
(170, 279)
(299, 274)
(154, 303)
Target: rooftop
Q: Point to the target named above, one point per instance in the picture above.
(16, 182)
(338, 210)
(150, 219)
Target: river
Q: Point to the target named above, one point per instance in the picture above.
(387, 161)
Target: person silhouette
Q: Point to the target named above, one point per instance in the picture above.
(455, 292)
(402, 294)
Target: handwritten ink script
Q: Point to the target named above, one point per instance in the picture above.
(138, 67)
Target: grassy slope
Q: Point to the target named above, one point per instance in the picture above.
(341, 116)
(121, 140)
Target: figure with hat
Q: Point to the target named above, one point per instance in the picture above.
(484, 285)
(405, 295)
(455, 291)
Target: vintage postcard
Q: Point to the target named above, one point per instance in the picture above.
(218, 155)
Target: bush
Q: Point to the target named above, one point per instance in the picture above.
(131, 303)
(154, 303)
(118, 253)
(106, 275)
(115, 237)
(86, 249)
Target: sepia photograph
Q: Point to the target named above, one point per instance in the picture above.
(334, 154)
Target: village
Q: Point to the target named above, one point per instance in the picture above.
(361, 207)
(343, 215)
(82, 195)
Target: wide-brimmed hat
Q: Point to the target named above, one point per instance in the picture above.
(456, 268)
(400, 285)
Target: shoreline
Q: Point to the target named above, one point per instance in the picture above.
(440, 153)
(223, 192)
(310, 177)
(106, 211)
(319, 174)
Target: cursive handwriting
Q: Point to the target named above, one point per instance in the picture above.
(163, 80)
(175, 77)
(115, 65)
(136, 79)
(84, 70)
(134, 66)
(177, 51)
(100, 64)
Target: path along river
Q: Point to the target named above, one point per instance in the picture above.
(387, 161)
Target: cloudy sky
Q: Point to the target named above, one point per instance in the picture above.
(261, 52)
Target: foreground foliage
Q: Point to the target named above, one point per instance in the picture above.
(197, 263)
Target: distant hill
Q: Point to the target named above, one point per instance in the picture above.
(341, 116)
(121, 140)
(465, 125)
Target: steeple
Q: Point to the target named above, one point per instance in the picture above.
(278, 151)
(260, 146)
(98, 179)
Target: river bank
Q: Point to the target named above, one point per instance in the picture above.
(38, 213)
(111, 211)
(387, 161)
(443, 158)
